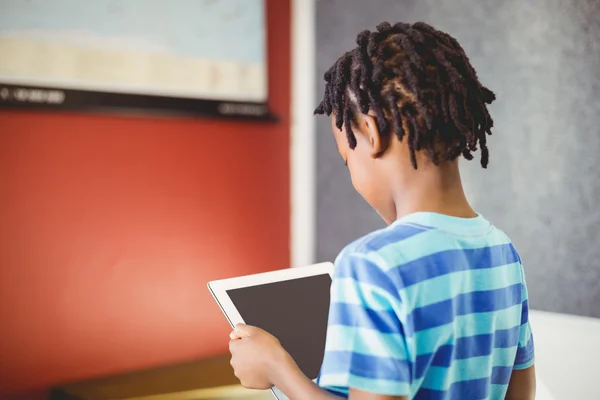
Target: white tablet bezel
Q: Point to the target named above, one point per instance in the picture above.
(219, 288)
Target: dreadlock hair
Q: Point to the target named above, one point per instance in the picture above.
(418, 82)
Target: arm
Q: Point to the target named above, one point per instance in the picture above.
(522, 385)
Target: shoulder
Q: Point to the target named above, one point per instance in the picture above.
(370, 258)
(376, 247)
(406, 252)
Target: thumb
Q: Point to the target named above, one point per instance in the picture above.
(242, 331)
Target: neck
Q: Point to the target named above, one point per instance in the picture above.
(435, 189)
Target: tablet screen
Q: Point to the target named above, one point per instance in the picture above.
(294, 311)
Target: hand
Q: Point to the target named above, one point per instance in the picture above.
(255, 357)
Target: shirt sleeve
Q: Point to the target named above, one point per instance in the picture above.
(366, 346)
(525, 350)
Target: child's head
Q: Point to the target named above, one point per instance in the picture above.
(405, 102)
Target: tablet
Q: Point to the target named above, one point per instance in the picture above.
(291, 304)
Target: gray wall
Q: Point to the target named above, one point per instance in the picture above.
(542, 58)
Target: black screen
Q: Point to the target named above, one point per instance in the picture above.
(293, 311)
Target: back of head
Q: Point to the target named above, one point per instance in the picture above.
(418, 83)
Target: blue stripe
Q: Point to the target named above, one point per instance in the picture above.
(364, 366)
(506, 338)
(356, 315)
(394, 234)
(474, 346)
(473, 389)
(337, 392)
(468, 303)
(501, 375)
(482, 345)
(525, 312)
(525, 354)
(450, 261)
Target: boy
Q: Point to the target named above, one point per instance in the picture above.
(435, 305)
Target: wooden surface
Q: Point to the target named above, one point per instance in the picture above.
(170, 380)
(235, 392)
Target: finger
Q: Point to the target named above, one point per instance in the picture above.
(242, 331)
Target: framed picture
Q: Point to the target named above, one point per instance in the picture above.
(195, 57)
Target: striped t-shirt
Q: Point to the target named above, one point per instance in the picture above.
(431, 307)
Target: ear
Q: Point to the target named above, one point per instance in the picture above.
(371, 131)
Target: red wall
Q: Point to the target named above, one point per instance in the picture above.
(110, 228)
